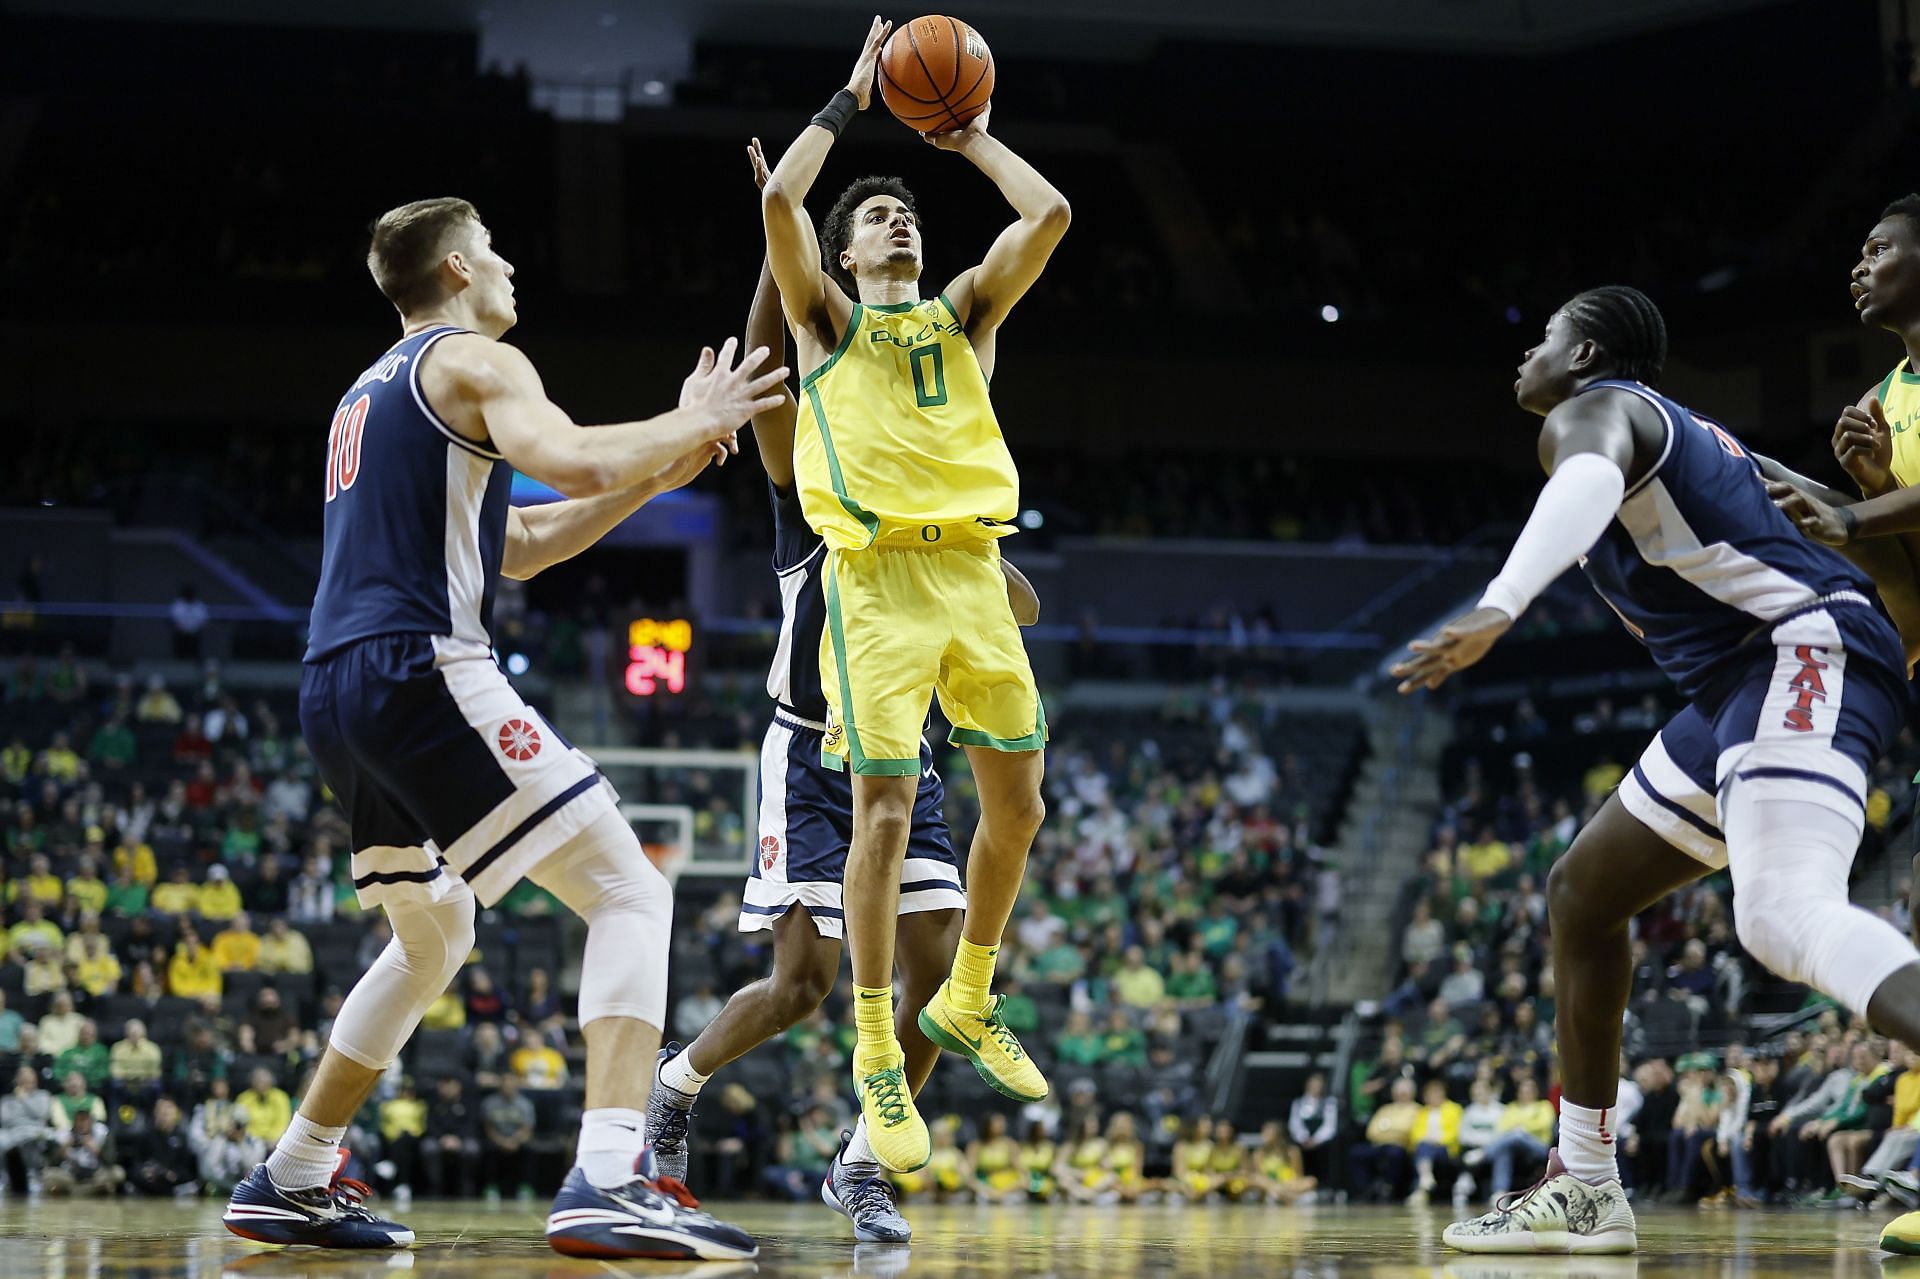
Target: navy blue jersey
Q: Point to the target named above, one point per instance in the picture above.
(416, 515)
(1699, 560)
(798, 553)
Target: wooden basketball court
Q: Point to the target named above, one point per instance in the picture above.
(141, 1239)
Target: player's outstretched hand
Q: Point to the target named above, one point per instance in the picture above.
(860, 83)
(758, 160)
(1816, 520)
(1863, 444)
(957, 139)
(731, 389)
(1460, 643)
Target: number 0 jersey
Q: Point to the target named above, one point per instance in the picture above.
(416, 514)
(1699, 561)
(896, 437)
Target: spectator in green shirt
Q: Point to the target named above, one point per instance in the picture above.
(74, 1096)
(1060, 963)
(126, 897)
(88, 1058)
(113, 747)
(1192, 984)
(1123, 1041)
(1017, 1009)
(1079, 1044)
(1215, 933)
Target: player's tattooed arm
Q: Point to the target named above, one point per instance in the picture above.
(793, 250)
(984, 295)
(773, 429)
(1021, 595)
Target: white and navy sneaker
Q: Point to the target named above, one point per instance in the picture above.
(646, 1217)
(861, 1193)
(668, 1112)
(1560, 1213)
(329, 1216)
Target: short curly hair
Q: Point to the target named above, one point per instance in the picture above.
(836, 230)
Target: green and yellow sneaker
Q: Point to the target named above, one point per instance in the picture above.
(894, 1128)
(982, 1038)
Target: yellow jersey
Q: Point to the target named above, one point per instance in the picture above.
(1900, 399)
(896, 437)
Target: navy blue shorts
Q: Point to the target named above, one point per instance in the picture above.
(1806, 719)
(441, 767)
(806, 825)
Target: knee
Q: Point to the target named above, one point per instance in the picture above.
(1768, 929)
(798, 989)
(1022, 814)
(437, 939)
(1564, 905)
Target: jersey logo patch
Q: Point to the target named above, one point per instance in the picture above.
(519, 740)
(1808, 689)
(769, 851)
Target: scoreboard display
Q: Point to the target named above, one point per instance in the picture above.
(658, 653)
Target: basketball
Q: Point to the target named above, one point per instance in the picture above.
(936, 73)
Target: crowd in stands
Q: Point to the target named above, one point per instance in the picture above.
(178, 928)
(1457, 1090)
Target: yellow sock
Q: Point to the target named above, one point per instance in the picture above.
(873, 1024)
(972, 977)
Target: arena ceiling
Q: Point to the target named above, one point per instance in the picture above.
(573, 39)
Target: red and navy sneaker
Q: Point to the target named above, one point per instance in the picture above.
(647, 1217)
(329, 1216)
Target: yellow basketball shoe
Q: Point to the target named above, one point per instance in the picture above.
(982, 1038)
(894, 1128)
(1902, 1235)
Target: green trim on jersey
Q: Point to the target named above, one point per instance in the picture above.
(1031, 742)
(868, 519)
(846, 340)
(855, 756)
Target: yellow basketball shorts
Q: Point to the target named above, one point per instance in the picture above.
(906, 623)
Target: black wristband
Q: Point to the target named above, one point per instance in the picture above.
(835, 116)
(1848, 520)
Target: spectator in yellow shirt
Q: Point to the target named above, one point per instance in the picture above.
(448, 1011)
(35, 930)
(136, 1060)
(39, 884)
(97, 971)
(1486, 857)
(87, 888)
(283, 950)
(403, 1122)
(177, 896)
(1523, 1133)
(1435, 1139)
(192, 971)
(137, 860)
(236, 948)
(218, 898)
(59, 761)
(540, 1067)
(268, 1109)
(1382, 1158)
(1602, 778)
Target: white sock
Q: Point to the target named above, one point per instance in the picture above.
(678, 1074)
(858, 1151)
(306, 1156)
(611, 1139)
(1586, 1142)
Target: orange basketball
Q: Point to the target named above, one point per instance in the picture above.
(936, 73)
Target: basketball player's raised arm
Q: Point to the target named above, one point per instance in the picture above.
(983, 296)
(492, 391)
(773, 429)
(1586, 447)
(793, 250)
